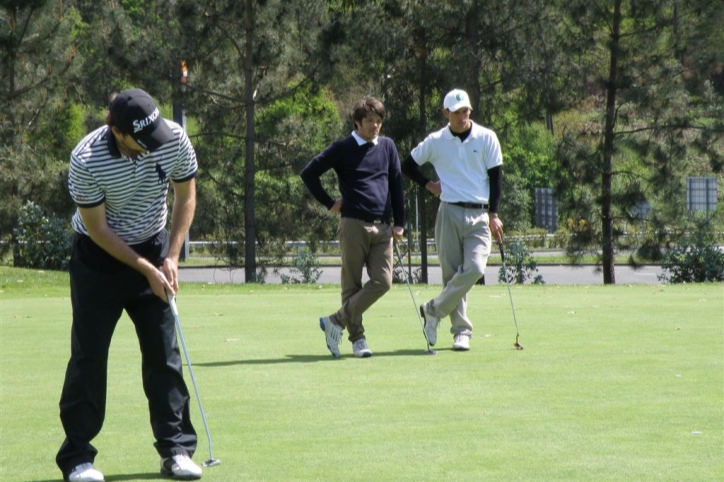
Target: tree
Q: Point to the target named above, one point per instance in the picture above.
(124, 44)
(37, 116)
(275, 46)
(648, 124)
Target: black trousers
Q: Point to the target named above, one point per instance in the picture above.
(101, 288)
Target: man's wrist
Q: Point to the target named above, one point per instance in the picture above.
(145, 267)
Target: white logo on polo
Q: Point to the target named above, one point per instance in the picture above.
(139, 125)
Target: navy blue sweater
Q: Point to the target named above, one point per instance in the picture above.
(369, 179)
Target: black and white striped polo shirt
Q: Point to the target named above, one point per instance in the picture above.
(134, 191)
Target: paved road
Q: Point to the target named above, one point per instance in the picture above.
(553, 274)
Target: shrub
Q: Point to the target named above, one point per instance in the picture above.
(520, 265)
(400, 273)
(41, 241)
(307, 265)
(560, 239)
(695, 259)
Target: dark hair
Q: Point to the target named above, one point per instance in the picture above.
(368, 105)
(109, 122)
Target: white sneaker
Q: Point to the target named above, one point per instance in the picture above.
(85, 473)
(332, 333)
(360, 348)
(461, 342)
(180, 467)
(431, 323)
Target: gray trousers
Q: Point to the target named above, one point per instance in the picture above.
(362, 244)
(463, 244)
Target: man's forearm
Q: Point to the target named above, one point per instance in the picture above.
(111, 243)
(312, 181)
(102, 235)
(184, 207)
(410, 168)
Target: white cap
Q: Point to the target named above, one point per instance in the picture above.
(457, 99)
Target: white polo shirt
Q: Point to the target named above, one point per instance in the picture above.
(461, 166)
(134, 191)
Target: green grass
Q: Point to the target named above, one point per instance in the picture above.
(616, 383)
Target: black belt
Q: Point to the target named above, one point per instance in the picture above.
(470, 205)
(372, 220)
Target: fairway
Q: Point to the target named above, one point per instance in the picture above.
(616, 383)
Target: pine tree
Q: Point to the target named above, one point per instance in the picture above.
(646, 125)
(37, 57)
(244, 57)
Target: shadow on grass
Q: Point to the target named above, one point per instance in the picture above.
(310, 358)
(120, 477)
(156, 476)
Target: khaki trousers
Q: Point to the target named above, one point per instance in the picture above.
(362, 244)
(463, 244)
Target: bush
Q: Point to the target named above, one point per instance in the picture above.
(560, 239)
(695, 259)
(532, 237)
(400, 273)
(307, 265)
(520, 265)
(41, 241)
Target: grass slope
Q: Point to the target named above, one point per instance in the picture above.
(616, 383)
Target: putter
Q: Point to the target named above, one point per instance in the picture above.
(172, 303)
(517, 345)
(429, 350)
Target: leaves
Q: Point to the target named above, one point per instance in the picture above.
(298, 65)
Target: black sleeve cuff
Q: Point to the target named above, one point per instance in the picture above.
(410, 169)
(496, 188)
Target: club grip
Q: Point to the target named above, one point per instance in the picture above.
(172, 303)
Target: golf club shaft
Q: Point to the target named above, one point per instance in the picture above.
(412, 296)
(174, 309)
(510, 293)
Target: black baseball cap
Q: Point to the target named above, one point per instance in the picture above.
(135, 113)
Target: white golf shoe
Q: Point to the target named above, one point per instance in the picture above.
(180, 467)
(360, 349)
(461, 342)
(431, 324)
(332, 333)
(85, 473)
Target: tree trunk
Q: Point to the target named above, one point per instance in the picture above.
(608, 150)
(422, 192)
(474, 56)
(249, 168)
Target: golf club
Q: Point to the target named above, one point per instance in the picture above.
(429, 350)
(517, 345)
(172, 302)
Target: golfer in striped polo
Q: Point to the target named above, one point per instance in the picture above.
(124, 259)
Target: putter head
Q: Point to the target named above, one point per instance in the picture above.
(211, 463)
(430, 351)
(518, 346)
